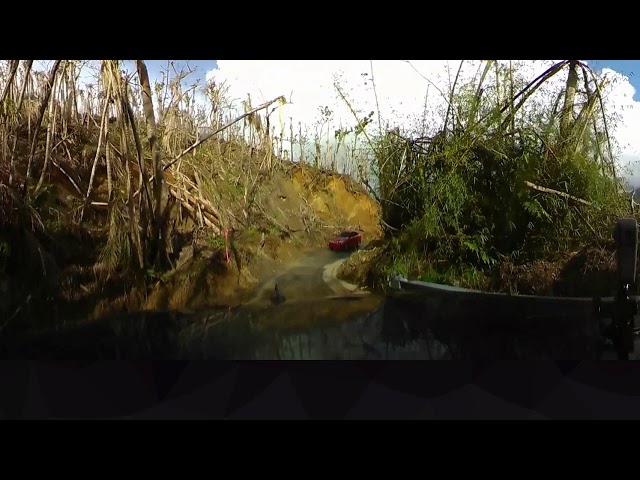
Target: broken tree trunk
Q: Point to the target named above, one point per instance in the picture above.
(161, 194)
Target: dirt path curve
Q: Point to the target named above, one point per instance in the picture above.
(312, 277)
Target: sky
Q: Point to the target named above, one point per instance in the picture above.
(402, 87)
(407, 91)
(201, 67)
(630, 68)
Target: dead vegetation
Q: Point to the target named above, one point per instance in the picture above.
(111, 198)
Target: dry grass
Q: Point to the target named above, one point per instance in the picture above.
(77, 182)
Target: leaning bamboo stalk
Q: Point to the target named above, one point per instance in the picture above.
(27, 80)
(140, 154)
(133, 220)
(7, 87)
(74, 95)
(598, 92)
(476, 101)
(51, 128)
(133, 223)
(526, 92)
(567, 115)
(107, 155)
(75, 185)
(451, 95)
(43, 108)
(207, 137)
(538, 188)
(101, 135)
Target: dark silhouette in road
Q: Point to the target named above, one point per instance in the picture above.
(277, 297)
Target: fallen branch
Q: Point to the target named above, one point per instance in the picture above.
(538, 188)
(209, 207)
(201, 202)
(75, 185)
(389, 226)
(207, 137)
(194, 207)
(193, 213)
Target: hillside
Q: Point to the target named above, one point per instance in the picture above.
(113, 201)
(293, 208)
(106, 208)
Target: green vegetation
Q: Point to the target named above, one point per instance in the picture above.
(509, 177)
(102, 186)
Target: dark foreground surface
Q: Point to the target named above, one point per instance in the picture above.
(404, 325)
(325, 318)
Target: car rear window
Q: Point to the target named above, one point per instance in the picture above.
(345, 234)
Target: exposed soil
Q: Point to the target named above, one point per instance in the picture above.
(290, 209)
(271, 221)
(307, 205)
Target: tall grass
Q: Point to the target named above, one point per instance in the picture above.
(501, 179)
(471, 191)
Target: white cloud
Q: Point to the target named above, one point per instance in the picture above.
(401, 89)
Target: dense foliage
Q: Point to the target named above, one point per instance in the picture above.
(499, 181)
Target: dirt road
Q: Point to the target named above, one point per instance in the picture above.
(311, 278)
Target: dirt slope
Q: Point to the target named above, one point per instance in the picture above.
(271, 211)
(296, 210)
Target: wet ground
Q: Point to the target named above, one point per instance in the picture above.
(322, 317)
(311, 278)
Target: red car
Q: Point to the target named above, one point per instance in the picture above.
(346, 240)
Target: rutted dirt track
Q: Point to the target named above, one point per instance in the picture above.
(284, 240)
(311, 277)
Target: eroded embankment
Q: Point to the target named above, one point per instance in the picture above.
(296, 210)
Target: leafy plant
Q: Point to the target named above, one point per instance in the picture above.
(511, 174)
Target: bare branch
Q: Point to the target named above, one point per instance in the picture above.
(207, 137)
(556, 192)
